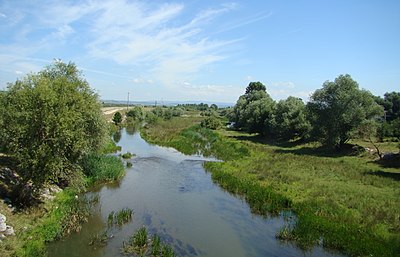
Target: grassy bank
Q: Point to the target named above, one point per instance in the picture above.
(49, 221)
(342, 202)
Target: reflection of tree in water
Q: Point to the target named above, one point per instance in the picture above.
(117, 136)
(132, 128)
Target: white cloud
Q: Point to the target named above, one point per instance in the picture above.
(283, 84)
(142, 81)
(18, 72)
(211, 92)
(167, 42)
(2, 15)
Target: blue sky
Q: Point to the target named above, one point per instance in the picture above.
(205, 50)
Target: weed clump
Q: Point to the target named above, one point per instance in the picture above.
(127, 155)
(120, 217)
(140, 243)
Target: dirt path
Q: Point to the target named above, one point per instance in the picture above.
(111, 110)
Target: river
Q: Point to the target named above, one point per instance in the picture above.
(173, 196)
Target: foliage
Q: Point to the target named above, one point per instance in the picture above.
(197, 139)
(167, 112)
(262, 200)
(98, 167)
(53, 118)
(69, 215)
(120, 217)
(140, 244)
(254, 110)
(117, 118)
(151, 118)
(136, 113)
(391, 105)
(127, 155)
(211, 122)
(109, 146)
(346, 202)
(339, 108)
(290, 119)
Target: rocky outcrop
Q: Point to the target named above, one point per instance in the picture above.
(5, 230)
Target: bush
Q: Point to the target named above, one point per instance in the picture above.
(53, 118)
(102, 167)
(211, 122)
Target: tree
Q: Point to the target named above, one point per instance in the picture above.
(253, 110)
(211, 122)
(53, 119)
(290, 119)
(117, 118)
(255, 87)
(136, 113)
(340, 107)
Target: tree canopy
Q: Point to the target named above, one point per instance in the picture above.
(338, 108)
(253, 110)
(53, 118)
(290, 119)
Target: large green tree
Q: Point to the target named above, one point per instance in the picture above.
(339, 108)
(254, 110)
(51, 120)
(290, 119)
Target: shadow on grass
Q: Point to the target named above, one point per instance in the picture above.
(392, 175)
(393, 162)
(258, 139)
(290, 147)
(319, 152)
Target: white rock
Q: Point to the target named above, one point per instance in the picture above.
(2, 218)
(9, 231)
(3, 227)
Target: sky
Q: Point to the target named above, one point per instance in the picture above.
(204, 50)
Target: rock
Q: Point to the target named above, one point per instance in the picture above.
(2, 218)
(9, 231)
(3, 227)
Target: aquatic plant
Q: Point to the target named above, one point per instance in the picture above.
(167, 251)
(140, 244)
(129, 164)
(127, 155)
(99, 239)
(110, 219)
(120, 217)
(155, 245)
(139, 239)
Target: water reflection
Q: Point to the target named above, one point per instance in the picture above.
(117, 136)
(172, 195)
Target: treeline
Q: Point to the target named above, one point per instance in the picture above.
(153, 115)
(336, 113)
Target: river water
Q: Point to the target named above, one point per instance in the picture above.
(173, 196)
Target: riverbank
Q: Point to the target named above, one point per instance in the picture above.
(343, 202)
(61, 212)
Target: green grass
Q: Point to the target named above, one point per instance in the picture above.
(102, 168)
(345, 202)
(67, 213)
(110, 147)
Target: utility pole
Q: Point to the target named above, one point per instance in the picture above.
(127, 105)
